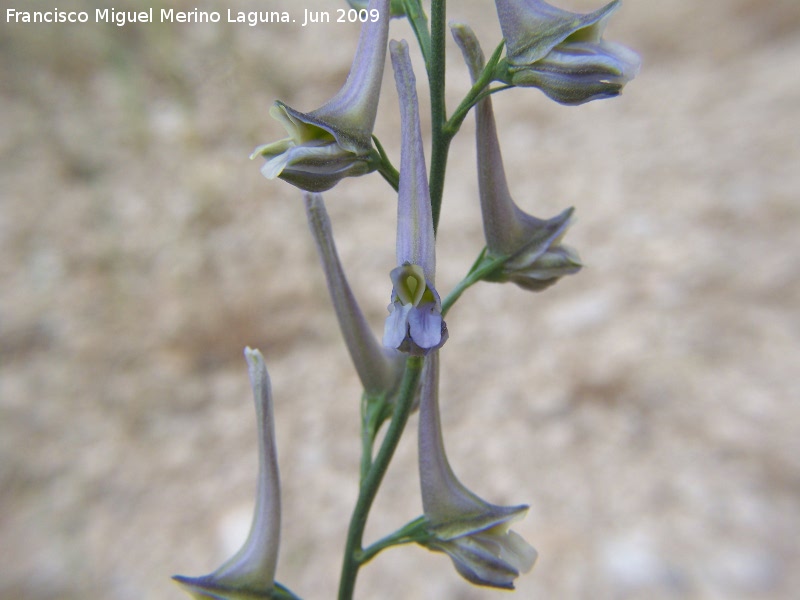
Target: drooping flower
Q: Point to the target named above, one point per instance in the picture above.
(472, 532)
(250, 573)
(378, 367)
(563, 53)
(536, 257)
(415, 323)
(335, 141)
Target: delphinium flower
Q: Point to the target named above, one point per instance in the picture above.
(415, 323)
(378, 367)
(563, 53)
(474, 533)
(250, 573)
(537, 258)
(335, 141)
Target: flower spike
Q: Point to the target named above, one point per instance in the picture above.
(415, 323)
(250, 573)
(379, 368)
(472, 532)
(536, 257)
(563, 53)
(334, 141)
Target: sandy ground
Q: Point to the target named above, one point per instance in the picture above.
(646, 409)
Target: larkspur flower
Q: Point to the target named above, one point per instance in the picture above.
(250, 573)
(536, 257)
(563, 53)
(415, 323)
(472, 532)
(335, 141)
(378, 367)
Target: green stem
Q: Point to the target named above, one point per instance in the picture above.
(414, 531)
(479, 270)
(371, 483)
(367, 437)
(478, 91)
(385, 166)
(374, 411)
(454, 124)
(436, 80)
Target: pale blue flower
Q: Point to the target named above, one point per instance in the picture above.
(472, 532)
(563, 53)
(536, 257)
(250, 573)
(415, 323)
(334, 141)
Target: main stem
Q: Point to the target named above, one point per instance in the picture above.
(371, 483)
(440, 137)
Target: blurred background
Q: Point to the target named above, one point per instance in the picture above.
(646, 409)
